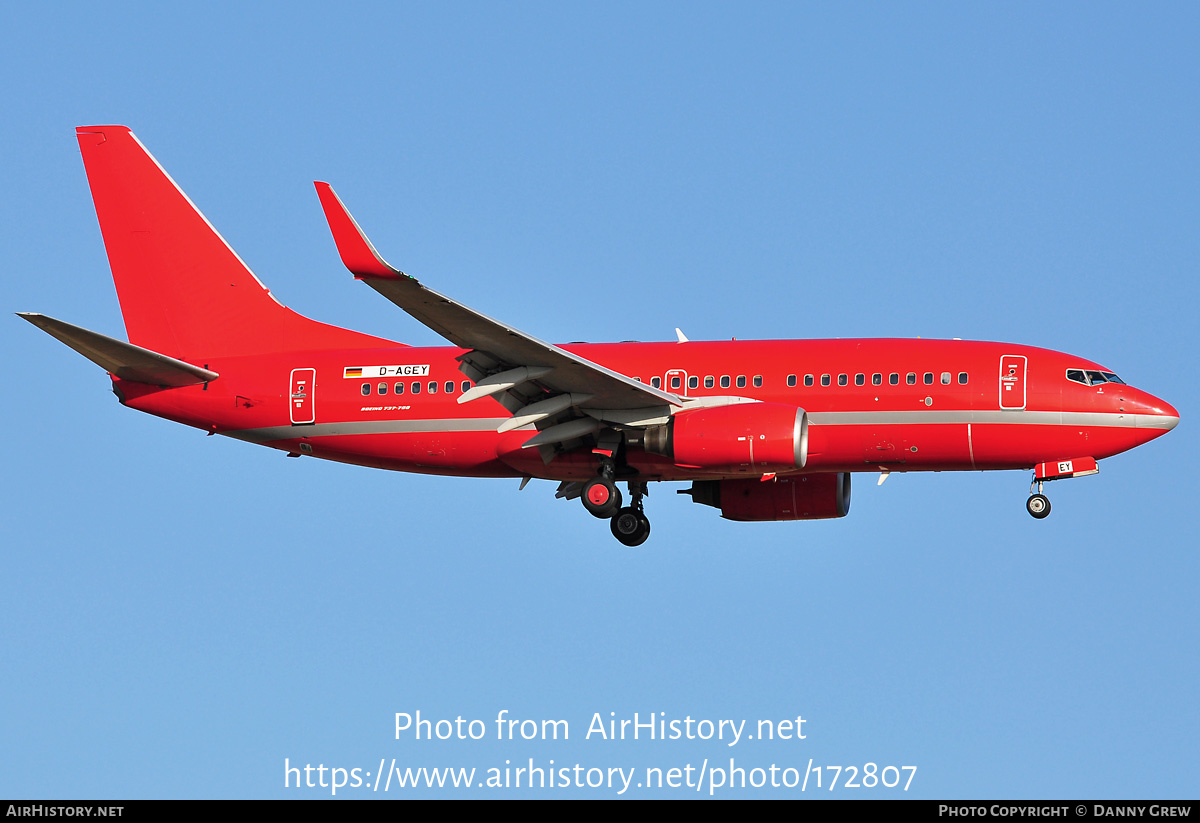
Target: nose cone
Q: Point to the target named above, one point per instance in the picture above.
(1165, 412)
(1162, 414)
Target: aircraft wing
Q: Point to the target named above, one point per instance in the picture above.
(535, 380)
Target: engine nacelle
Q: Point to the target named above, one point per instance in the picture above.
(749, 437)
(798, 497)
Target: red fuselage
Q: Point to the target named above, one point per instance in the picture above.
(873, 404)
(764, 430)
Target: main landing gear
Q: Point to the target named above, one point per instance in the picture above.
(1038, 504)
(630, 524)
(600, 495)
(602, 498)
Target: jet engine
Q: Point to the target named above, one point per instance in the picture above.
(750, 437)
(798, 497)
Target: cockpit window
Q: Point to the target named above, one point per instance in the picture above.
(1092, 378)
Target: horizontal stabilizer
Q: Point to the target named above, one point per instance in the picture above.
(124, 360)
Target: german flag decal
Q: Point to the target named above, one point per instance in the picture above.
(369, 372)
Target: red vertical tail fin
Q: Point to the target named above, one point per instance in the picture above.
(183, 290)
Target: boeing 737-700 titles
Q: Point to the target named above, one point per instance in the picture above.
(763, 430)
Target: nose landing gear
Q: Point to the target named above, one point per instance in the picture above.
(1038, 504)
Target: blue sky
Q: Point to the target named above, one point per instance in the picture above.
(181, 614)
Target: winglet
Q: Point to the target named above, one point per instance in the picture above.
(357, 253)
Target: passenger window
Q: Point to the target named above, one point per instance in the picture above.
(675, 382)
(693, 382)
(383, 388)
(366, 389)
(449, 387)
(433, 387)
(656, 382)
(962, 378)
(877, 379)
(894, 379)
(945, 378)
(724, 381)
(911, 379)
(824, 380)
(791, 381)
(808, 379)
(860, 379)
(708, 381)
(842, 380)
(466, 386)
(416, 388)
(928, 378)
(399, 388)
(758, 381)
(741, 381)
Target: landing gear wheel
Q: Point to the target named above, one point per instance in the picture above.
(1038, 505)
(630, 526)
(601, 497)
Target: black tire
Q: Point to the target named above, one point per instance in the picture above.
(630, 526)
(1038, 505)
(601, 497)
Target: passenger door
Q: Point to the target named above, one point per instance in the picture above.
(1012, 381)
(304, 382)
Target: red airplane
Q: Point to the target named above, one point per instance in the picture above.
(763, 430)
